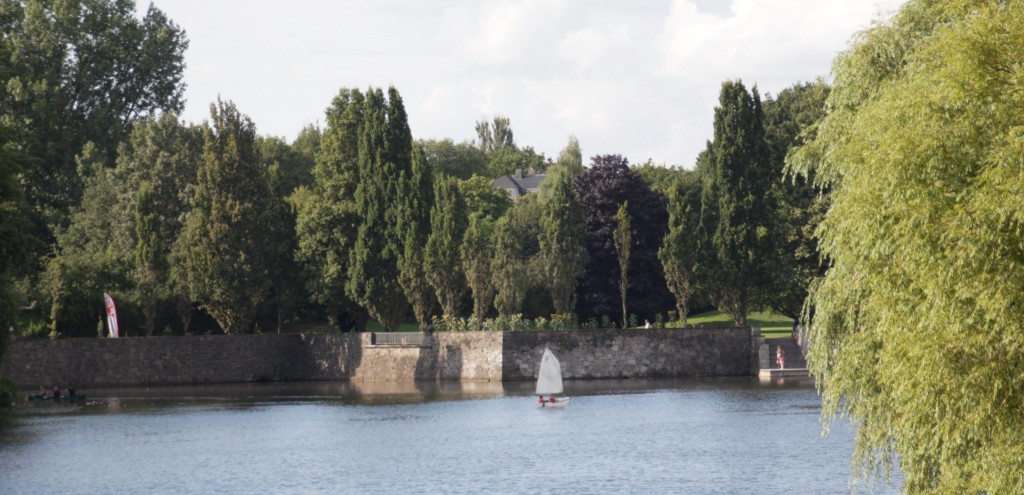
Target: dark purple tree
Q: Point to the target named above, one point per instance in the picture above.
(602, 188)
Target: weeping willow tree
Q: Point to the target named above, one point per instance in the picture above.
(916, 327)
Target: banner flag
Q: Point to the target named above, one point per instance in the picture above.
(111, 315)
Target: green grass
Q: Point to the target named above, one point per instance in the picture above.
(772, 325)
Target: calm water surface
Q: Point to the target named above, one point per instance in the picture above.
(704, 436)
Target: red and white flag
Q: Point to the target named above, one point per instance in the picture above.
(111, 315)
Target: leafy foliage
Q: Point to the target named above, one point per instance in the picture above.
(680, 252)
(443, 257)
(15, 243)
(915, 329)
(562, 255)
(477, 254)
(462, 160)
(76, 72)
(385, 158)
(327, 218)
(482, 197)
(623, 238)
(508, 268)
(738, 207)
(414, 225)
(222, 258)
(790, 120)
(602, 188)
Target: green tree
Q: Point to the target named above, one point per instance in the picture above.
(569, 164)
(680, 251)
(623, 238)
(790, 119)
(442, 257)
(76, 72)
(288, 168)
(737, 185)
(15, 242)
(495, 135)
(158, 164)
(327, 217)
(222, 257)
(414, 224)
(477, 255)
(306, 145)
(915, 328)
(462, 160)
(385, 157)
(509, 268)
(562, 252)
(90, 254)
(482, 197)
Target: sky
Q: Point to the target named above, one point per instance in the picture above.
(636, 78)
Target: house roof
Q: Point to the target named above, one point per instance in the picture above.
(523, 184)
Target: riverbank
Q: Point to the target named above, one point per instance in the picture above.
(444, 356)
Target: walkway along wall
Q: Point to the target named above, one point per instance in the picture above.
(471, 356)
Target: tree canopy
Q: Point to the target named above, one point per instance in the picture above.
(222, 257)
(915, 329)
(604, 186)
(76, 72)
(739, 207)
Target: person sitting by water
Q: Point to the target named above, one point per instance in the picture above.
(42, 392)
(69, 392)
(56, 392)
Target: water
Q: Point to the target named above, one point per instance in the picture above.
(703, 436)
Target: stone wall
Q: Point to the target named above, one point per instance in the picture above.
(471, 356)
(633, 353)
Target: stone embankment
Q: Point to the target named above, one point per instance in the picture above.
(470, 356)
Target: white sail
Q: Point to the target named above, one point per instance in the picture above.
(549, 378)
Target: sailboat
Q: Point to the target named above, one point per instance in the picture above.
(549, 381)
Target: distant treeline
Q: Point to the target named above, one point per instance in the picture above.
(213, 227)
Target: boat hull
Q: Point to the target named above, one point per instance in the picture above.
(558, 403)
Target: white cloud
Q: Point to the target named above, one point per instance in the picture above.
(774, 37)
(589, 46)
(639, 79)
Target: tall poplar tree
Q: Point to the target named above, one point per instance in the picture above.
(443, 258)
(508, 268)
(680, 250)
(477, 254)
(328, 219)
(623, 238)
(414, 226)
(221, 258)
(562, 252)
(737, 185)
(159, 162)
(385, 157)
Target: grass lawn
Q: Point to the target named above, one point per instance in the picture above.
(772, 325)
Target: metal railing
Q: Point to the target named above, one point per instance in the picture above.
(409, 339)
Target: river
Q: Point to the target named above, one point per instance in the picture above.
(697, 436)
